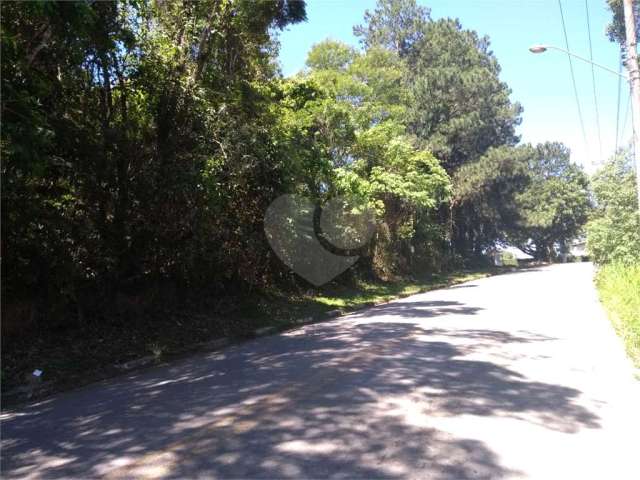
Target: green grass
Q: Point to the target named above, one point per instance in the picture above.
(371, 293)
(619, 288)
(281, 309)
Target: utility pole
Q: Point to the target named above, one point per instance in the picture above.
(634, 82)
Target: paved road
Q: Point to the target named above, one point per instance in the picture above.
(515, 376)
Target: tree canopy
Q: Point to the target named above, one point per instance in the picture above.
(143, 142)
(555, 205)
(613, 231)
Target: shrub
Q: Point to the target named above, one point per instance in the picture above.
(509, 259)
(619, 288)
(613, 233)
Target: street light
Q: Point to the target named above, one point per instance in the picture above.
(537, 48)
(633, 79)
(544, 48)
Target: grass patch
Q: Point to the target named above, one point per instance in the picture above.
(281, 309)
(371, 293)
(619, 288)
(84, 353)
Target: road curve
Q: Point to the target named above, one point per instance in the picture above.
(513, 376)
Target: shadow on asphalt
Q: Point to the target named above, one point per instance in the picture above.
(419, 309)
(339, 399)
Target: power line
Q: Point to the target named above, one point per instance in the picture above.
(618, 104)
(573, 79)
(593, 77)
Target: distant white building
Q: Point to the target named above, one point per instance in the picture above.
(519, 254)
(578, 247)
(500, 250)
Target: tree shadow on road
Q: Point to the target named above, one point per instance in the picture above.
(340, 399)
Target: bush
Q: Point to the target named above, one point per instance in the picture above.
(613, 233)
(509, 259)
(619, 288)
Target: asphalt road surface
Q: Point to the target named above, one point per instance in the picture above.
(514, 376)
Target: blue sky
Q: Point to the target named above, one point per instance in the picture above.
(541, 83)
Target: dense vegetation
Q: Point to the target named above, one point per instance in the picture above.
(613, 241)
(143, 141)
(619, 285)
(613, 232)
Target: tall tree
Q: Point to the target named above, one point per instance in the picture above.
(457, 107)
(133, 131)
(486, 192)
(555, 206)
(382, 163)
(460, 107)
(613, 231)
(616, 29)
(394, 24)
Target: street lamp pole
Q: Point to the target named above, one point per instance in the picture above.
(544, 48)
(634, 83)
